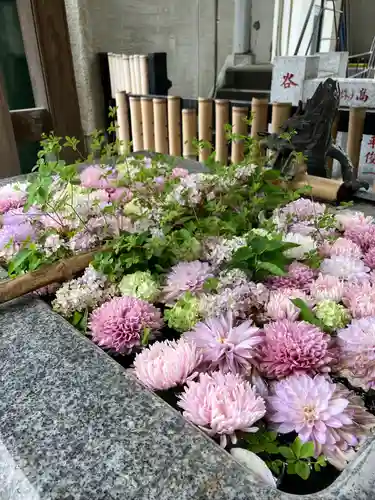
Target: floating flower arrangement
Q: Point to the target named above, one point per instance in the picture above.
(252, 306)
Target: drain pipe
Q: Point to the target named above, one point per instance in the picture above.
(242, 27)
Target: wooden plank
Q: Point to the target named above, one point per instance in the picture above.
(9, 161)
(47, 44)
(29, 124)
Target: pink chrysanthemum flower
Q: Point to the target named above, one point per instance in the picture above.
(294, 347)
(97, 177)
(224, 346)
(296, 293)
(346, 248)
(167, 364)
(347, 219)
(12, 197)
(221, 404)
(362, 235)
(309, 407)
(327, 287)
(303, 228)
(186, 277)
(178, 172)
(301, 274)
(278, 282)
(356, 345)
(345, 268)
(112, 194)
(359, 298)
(119, 323)
(281, 307)
(369, 258)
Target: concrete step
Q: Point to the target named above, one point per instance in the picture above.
(257, 77)
(235, 94)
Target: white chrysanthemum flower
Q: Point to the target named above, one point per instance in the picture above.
(306, 244)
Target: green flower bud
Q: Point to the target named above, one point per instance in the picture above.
(141, 285)
(184, 315)
(331, 314)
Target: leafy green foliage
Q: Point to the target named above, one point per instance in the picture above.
(306, 314)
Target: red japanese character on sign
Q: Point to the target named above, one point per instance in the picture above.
(288, 81)
(362, 95)
(345, 95)
(370, 157)
(371, 142)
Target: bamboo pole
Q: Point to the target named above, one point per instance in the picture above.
(239, 126)
(123, 122)
(111, 73)
(324, 189)
(143, 65)
(148, 123)
(120, 74)
(9, 161)
(221, 120)
(133, 88)
(136, 122)
(204, 126)
(189, 133)
(59, 272)
(280, 113)
(137, 70)
(259, 115)
(174, 125)
(160, 125)
(126, 74)
(357, 118)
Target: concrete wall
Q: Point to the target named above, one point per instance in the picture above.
(182, 28)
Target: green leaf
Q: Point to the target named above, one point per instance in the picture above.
(302, 469)
(242, 254)
(297, 447)
(307, 450)
(19, 259)
(287, 453)
(316, 467)
(145, 336)
(321, 460)
(271, 448)
(306, 314)
(291, 468)
(77, 317)
(256, 448)
(271, 268)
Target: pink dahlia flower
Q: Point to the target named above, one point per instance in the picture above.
(278, 282)
(362, 235)
(327, 287)
(347, 219)
(359, 298)
(294, 347)
(302, 275)
(356, 345)
(369, 258)
(12, 197)
(167, 364)
(224, 346)
(119, 323)
(112, 194)
(186, 277)
(345, 268)
(97, 177)
(221, 404)
(281, 307)
(346, 248)
(308, 406)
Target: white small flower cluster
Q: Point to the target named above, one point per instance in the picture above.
(86, 292)
(52, 244)
(220, 250)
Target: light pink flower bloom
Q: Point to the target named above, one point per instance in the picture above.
(359, 298)
(346, 248)
(327, 287)
(224, 346)
(348, 219)
(167, 364)
(119, 323)
(307, 406)
(112, 194)
(179, 172)
(281, 307)
(186, 277)
(369, 258)
(294, 347)
(356, 345)
(345, 268)
(221, 404)
(363, 235)
(303, 209)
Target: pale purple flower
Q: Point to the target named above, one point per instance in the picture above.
(304, 228)
(301, 274)
(186, 277)
(345, 268)
(303, 209)
(12, 196)
(278, 282)
(369, 258)
(294, 347)
(357, 352)
(17, 234)
(18, 216)
(83, 241)
(347, 219)
(308, 406)
(346, 248)
(120, 323)
(167, 364)
(221, 404)
(225, 346)
(327, 287)
(359, 298)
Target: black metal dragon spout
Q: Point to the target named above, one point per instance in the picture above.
(309, 133)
